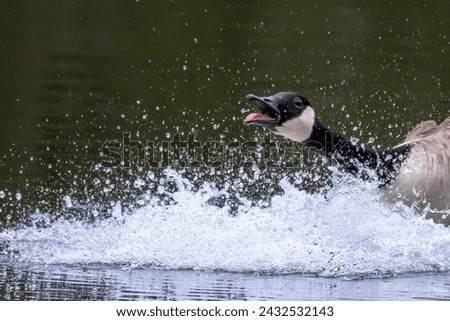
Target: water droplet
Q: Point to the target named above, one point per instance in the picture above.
(18, 196)
(151, 175)
(2, 194)
(161, 189)
(139, 183)
(68, 201)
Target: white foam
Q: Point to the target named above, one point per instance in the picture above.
(346, 232)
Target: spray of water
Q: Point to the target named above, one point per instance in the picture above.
(345, 230)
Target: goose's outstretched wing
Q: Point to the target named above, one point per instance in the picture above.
(424, 177)
(425, 129)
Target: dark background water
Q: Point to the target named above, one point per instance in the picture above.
(77, 74)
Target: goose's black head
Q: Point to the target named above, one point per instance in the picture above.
(286, 113)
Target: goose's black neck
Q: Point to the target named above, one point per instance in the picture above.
(356, 159)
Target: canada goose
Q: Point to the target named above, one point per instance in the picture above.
(416, 171)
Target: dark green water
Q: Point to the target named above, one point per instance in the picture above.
(78, 74)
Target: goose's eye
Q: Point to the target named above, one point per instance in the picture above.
(298, 102)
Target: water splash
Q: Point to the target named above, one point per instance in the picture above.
(346, 231)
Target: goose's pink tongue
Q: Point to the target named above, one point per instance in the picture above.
(254, 116)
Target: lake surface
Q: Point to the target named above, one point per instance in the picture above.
(126, 172)
(106, 282)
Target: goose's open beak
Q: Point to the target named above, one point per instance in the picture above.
(269, 114)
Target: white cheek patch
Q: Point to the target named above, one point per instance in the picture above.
(298, 129)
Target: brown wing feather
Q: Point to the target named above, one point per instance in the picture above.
(422, 130)
(425, 175)
(427, 129)
(445, 126)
